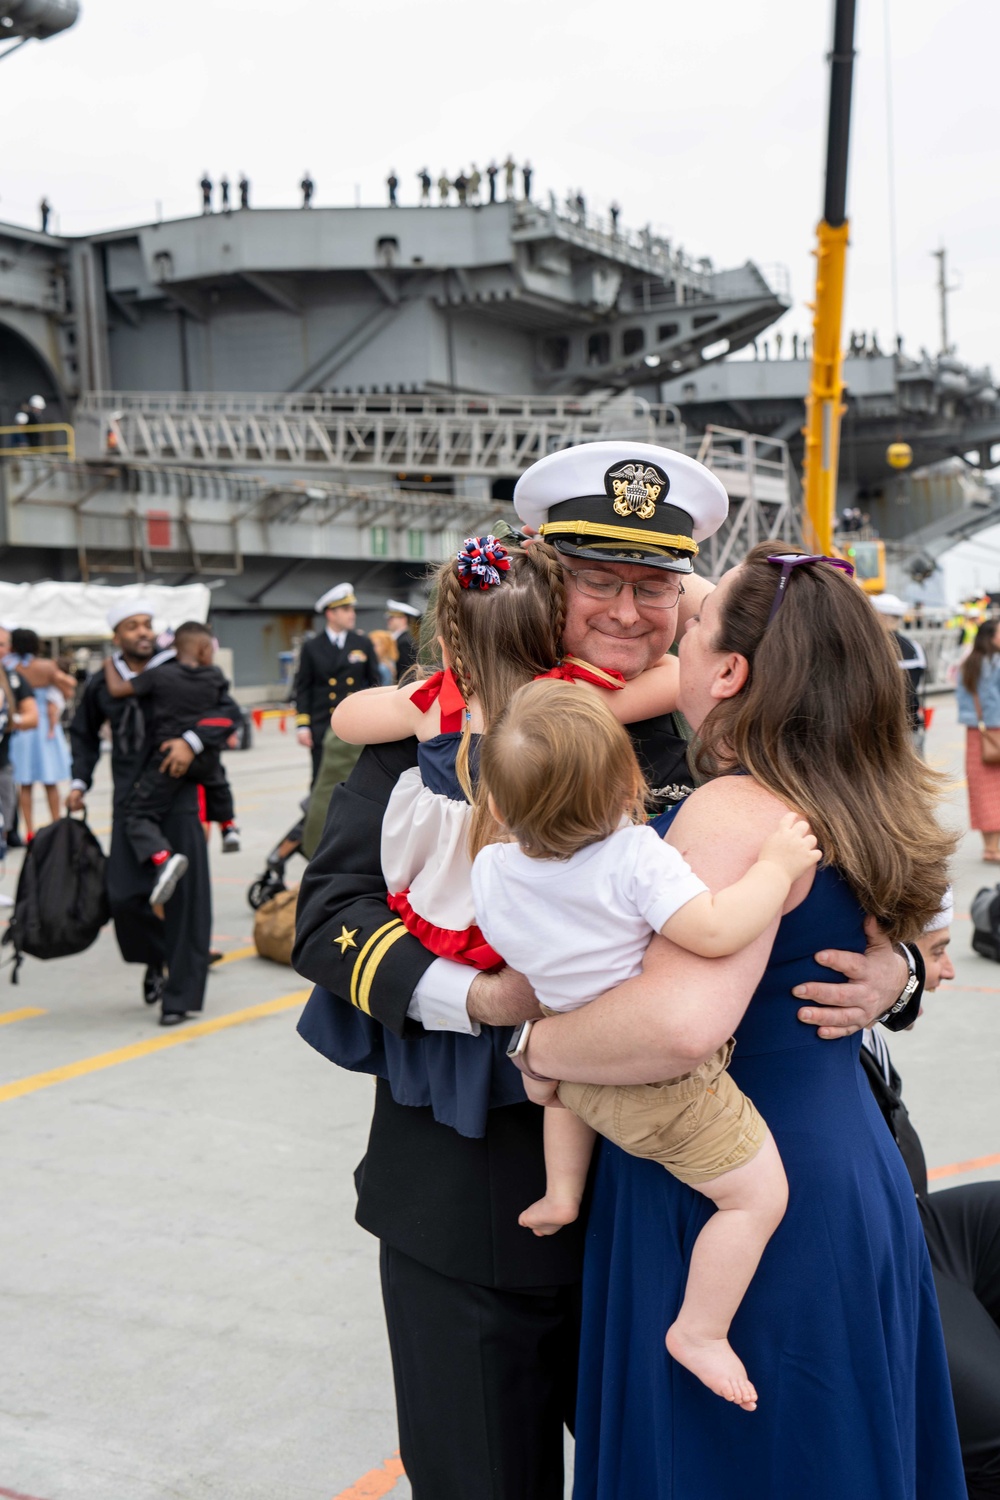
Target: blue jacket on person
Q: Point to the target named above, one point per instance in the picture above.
(989, 697)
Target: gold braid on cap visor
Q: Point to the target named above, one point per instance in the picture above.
(601, 531)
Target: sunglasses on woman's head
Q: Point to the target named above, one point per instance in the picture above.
(786, 561)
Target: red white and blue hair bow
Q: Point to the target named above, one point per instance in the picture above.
(481, 561)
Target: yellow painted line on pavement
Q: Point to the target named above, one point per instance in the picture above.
(19, 1015)
(184, 1033)
(234, 955)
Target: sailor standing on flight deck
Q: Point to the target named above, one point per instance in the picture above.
(338, 661)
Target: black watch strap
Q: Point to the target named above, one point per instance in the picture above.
(907, 1007)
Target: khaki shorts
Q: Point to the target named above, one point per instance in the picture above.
(698, 1126)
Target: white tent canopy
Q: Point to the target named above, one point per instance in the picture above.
(79, 610)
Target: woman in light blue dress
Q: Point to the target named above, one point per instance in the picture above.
(40, 754)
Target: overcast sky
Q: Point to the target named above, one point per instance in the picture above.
(706, 119)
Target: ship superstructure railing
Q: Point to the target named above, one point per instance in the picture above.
(392, 433)
(151, 516)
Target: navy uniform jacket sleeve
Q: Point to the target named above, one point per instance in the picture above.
(85, 731)
(303, 686)
(346, 938)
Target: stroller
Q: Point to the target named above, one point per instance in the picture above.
(272, 881)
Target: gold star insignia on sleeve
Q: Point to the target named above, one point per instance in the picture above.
(346, 940)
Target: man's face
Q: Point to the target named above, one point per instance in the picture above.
(617, 635)
(934, 947)
(395, 623)
(134, 637)
(4, 643)
(341, 618)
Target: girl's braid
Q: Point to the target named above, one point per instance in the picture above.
(451, 591)
(449, 596)
(545, 561)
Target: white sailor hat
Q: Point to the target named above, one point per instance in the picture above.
(623, 502)
(888, 604)
(945, 915)
(340, 594)
(395, 607)
(126, 608)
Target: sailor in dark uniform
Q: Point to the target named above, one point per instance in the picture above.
(338, 661)
(481, 1314)
(400, 621)
(173, 948)
(962, 1228)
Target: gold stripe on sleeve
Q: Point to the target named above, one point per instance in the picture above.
(362, 959)
(378, 953)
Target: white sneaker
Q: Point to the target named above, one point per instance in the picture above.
(167, 880)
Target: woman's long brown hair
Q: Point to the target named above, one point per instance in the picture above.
(984, 648)
(498, 639)
(822, 724)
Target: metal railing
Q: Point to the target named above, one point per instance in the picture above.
(26, 444)
(443, 435)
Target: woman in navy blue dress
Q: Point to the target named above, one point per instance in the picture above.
(788, 681)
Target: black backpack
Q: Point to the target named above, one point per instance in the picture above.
(61, 902)
(986, 922)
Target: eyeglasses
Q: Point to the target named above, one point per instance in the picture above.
(651, 593)
(789, 560)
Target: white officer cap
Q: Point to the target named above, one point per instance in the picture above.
(340, 594)
(395, 607)
(126, 608)
(623, 502)
(36, 403)
(888, 604)
(944, 917)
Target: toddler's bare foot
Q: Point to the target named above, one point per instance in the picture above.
(715, 1363)
(549, 1215)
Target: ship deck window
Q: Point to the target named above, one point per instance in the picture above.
(633, 340)
(555, 353)
(667, 331)
(598, 349)
(703, 319)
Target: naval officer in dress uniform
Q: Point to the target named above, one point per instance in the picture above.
(481, 1314)
(400, 622)
(332, 664)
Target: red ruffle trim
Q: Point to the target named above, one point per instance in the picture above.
(468, 947)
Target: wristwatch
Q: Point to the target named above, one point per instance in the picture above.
(915, 982)
(517, 1050)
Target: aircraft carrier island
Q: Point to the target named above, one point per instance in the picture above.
(274, 400)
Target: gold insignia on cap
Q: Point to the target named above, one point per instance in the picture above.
(637, 487)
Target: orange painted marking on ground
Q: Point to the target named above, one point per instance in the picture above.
(956, 1168)
(375, 1483)
(6, 1016)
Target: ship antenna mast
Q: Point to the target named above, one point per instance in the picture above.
(824, 404)
(943, 291)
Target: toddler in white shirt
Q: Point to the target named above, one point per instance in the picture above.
(572, 903)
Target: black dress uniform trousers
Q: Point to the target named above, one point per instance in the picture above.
(180, 943)
(962, 1226)
(485, 1380)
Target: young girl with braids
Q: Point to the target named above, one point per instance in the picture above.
(499, 618)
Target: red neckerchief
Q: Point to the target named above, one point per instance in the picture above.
(572, 669)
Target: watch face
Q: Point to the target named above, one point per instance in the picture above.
(516, 1044)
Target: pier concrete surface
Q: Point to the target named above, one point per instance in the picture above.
(187, 1309)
